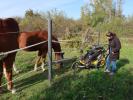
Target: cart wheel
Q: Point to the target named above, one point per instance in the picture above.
(75, 66)
(102, 63)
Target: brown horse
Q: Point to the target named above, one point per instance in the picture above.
(30, 38)
(9, 30)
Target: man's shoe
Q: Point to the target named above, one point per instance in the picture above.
(107, 71)
(111, 74)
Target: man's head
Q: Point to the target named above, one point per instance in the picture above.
(110, 35)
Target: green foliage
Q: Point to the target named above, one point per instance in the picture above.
(75, 40)
(116, 25)
(33, 21)
(103, 16)
(85, 16)
(63, 25)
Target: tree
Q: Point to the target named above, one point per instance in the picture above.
(85, 16)
(33, 21)
(119, 8)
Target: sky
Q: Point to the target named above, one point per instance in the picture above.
(11, 8)
(128, 7)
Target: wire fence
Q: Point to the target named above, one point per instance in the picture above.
(10, 33)
(53, 62)
(18, 77)
(16, 50)
(49, 50)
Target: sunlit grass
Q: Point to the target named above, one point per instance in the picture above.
(85, 85)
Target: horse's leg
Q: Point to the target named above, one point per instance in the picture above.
(37, 62)
(43, 63)
(1, 74)
(44, 54)
(15, 69)
(8, 64)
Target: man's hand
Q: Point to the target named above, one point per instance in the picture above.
(107, 52)
(113, 53)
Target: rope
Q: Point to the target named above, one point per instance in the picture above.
(3, 56)
(62, 60)
(61, 41)
(9, 33)
(67, 41)
(59, 52)
(12, 51)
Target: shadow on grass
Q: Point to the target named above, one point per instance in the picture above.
(89, 85)
(121, 63)
(39, 77)
(30, 80)
(66, 68)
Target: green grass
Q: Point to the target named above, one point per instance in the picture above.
(85, 85)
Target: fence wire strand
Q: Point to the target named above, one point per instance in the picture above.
(53, 62)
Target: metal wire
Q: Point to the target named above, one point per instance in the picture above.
(12, 51)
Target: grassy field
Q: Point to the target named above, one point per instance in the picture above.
(85, 85)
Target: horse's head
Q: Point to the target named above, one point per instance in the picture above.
(59, 56)
(58, 53)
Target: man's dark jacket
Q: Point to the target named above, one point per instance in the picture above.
(114, 46)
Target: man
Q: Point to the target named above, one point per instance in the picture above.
(113, 51)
